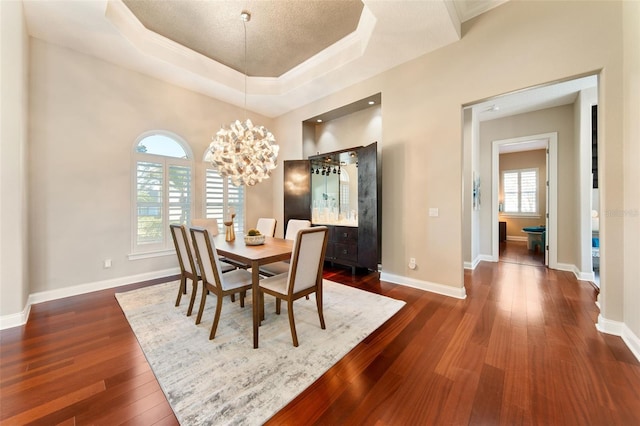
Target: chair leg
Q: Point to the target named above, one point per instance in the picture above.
(202, 302)
(242, 295)
(320, 314)
(214, 326)
(194, 290)
(292, 323)
(233, 297)
(278, 303)
(181, 289)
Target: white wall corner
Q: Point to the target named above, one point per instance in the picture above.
(632, 341)
(445, 290)
(584, 276)
(608, 326)
(15, 320)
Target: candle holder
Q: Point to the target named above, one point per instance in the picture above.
(230, 234)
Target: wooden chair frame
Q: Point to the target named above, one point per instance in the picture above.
(214, 284)
(179, 232)
(291, 295)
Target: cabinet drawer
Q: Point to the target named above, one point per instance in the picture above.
(346, 252)
(345, 234)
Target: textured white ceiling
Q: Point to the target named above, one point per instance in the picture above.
(387, 34)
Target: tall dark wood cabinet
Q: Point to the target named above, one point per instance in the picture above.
(355, 244)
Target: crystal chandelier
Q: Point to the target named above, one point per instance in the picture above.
(243, 152)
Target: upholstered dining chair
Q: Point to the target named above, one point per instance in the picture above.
(211, 225)
(214, 281)
(276, 268)
(267, 226)
(304, 276)
(188, 269)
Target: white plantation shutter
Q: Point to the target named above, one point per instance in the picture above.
(520, 191)
(510, 188)
(179, 194)
(149, 183)
(528, 191)
(214, 195)
(220, 194)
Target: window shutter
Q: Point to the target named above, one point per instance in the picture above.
(236, 200)
(220, 194)
(214, 194)
(510, 188)
(179, 194)
(528, 191)
(149, 184)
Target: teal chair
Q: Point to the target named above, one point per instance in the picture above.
(539, 244)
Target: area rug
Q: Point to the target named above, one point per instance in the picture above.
(226, 381)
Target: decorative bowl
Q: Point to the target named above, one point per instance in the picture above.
(253, 240)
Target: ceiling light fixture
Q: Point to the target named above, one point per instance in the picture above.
(371, 102)
(243, 152)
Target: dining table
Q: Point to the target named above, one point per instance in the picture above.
(272, 250)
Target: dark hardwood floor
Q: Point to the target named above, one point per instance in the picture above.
(522, 348)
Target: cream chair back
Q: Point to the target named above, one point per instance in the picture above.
(183, 250)
(266, 226)
(294, 225)
(307, 259)
(207, 256)
(210, 225)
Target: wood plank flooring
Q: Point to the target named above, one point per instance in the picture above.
(522, 348)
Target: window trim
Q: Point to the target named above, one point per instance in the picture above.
(165, 248)
(520, 214)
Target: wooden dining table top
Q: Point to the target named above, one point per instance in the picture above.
(273, 250)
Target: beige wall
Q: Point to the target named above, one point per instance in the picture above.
(631, 248)
(558, 119)
(524, 160)
(357, 129)
(422, 133)
(14, 276)
(85, 116)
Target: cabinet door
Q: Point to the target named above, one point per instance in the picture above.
(297, 190)
(368, 207)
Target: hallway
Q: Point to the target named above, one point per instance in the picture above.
(517, 252)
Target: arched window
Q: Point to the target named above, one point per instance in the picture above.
(162, 189)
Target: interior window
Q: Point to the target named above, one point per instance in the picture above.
(520, 189)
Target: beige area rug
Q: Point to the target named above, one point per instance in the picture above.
(226, 381)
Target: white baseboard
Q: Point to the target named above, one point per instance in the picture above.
(618, 328)
(445, 290)
(632, 341)
(516, 238)
(580, 275)
(15, 320)
(477, 260)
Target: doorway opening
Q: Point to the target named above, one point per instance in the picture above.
(524, 181)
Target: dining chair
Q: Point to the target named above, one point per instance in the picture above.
(237, 281)
(276, 268)
(304, 276)
(267, 226)
(188, 268)
(211, 225)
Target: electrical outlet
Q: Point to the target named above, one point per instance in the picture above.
(107, 263)
(433, 212)
(412, 263)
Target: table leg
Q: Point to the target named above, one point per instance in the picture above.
(255, 281)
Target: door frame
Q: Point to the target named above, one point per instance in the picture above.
(551, 252)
